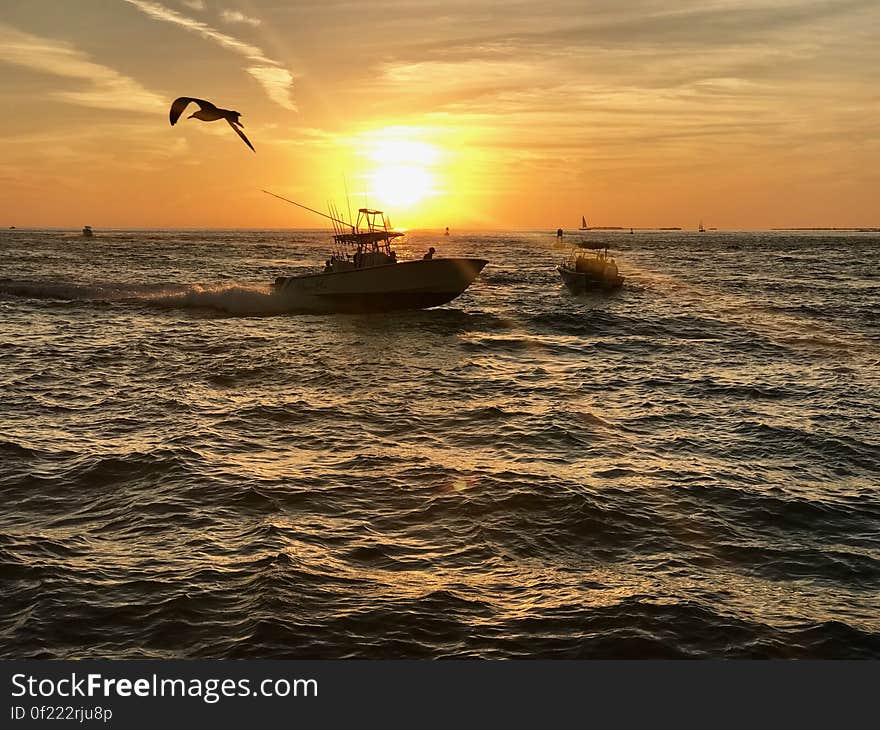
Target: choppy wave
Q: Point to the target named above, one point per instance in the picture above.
(684, 469)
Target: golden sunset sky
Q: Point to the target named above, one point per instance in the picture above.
(466, 113)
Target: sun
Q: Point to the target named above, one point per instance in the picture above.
(400, 186)
(401, 168)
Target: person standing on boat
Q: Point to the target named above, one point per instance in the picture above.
(559, 234)
(428, 256)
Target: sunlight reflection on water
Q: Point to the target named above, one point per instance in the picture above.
(685, 468)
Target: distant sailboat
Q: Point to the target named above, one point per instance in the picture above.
(584, 223)
(702, 230)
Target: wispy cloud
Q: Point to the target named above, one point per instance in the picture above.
(194, 4)
(651, 63)
(236, 16)
(275, 79)
(157, 11)
(105, 87)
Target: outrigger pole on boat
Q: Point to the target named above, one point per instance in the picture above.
(312, 210)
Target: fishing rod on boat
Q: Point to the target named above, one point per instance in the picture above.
(312, 210)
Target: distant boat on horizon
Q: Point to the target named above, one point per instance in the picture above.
(87, 231)
(701, 229)
(584, 224)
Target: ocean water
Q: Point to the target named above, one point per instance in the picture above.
(689, 467)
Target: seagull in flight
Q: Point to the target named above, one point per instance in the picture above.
(208, 113)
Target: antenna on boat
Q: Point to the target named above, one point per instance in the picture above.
(347, 199)
(311, 210)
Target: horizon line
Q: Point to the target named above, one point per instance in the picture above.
(603, 229)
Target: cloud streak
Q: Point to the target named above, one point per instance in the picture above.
(276, 80)
(234, 16)
(105, 87)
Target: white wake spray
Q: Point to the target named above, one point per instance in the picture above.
(234, 299)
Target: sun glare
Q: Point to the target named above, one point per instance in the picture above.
(400, 186)
(400, 169)
(396, 150)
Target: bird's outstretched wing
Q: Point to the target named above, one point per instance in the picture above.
(179, 104)
(241, 134)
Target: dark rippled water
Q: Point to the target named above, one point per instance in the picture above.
(687, 468)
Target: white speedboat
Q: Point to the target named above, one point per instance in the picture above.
(364, 275)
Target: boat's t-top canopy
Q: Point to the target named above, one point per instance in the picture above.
(369, 234)
(364, 243)
(579, 254)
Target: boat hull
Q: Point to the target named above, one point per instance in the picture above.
(578, 282)
(406, 285)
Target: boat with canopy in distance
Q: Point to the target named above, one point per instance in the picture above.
(582, 271)
(363, 273)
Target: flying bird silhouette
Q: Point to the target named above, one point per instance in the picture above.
(208, 113)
